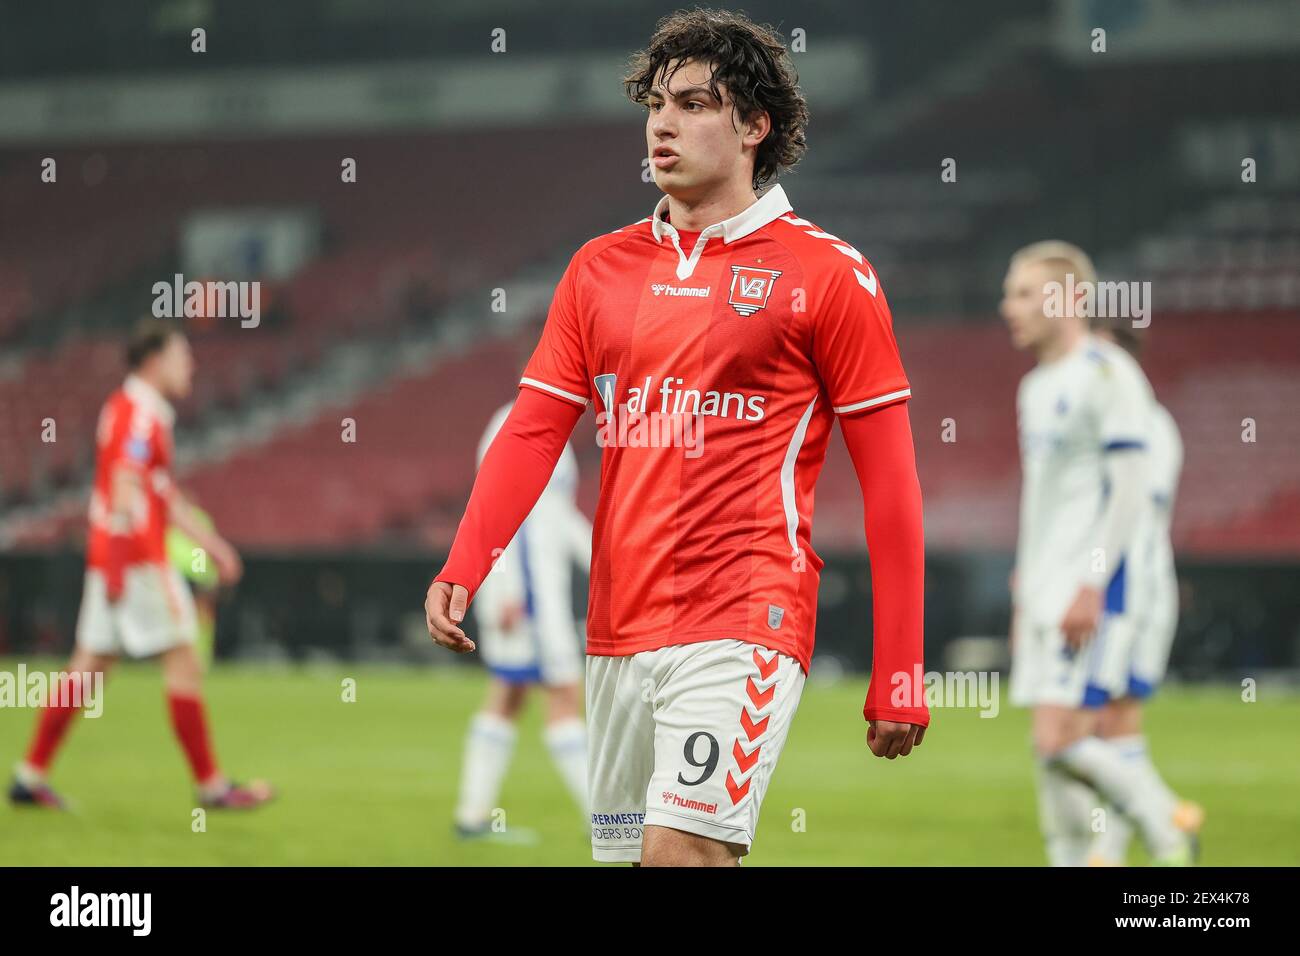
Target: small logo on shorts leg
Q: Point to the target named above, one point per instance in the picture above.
(774, 615)
(677, 800)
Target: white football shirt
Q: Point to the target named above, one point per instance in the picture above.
(1071, 413)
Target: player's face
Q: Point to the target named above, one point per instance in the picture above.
(1024, 296)
(175, 365)
(695, 141)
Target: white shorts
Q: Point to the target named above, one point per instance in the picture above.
(685, 737)
(1152, 643)
(1044, 670)
(154, 613)
(528, 654)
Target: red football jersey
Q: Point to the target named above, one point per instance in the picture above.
(716, 372)
(135, 431)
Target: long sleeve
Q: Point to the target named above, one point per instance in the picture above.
(1126, 477)
(511, 477)
(1123, 406)
(880, 444)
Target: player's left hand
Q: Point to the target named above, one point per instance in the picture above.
(890, 739)
(230, 568)
(1083, 617)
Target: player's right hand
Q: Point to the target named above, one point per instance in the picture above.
(1082, 618)
(114, 583)
(230, 568)
(511, 615)
(444, 609)
(892, 739)
(115, 574)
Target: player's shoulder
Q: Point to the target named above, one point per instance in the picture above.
(1166, 425)
(127, 410)
(117, 400)
(597, 245)
(822, 253)
(1108, 362)
(1044, 384)
(1101, 353)
(115, 416)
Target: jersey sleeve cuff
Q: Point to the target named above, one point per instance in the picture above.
(554, 390)
(918, 715)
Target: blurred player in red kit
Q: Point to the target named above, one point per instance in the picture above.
(134, 601)
(741, 332)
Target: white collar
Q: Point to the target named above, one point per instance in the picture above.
(771, 205)
(141, 391)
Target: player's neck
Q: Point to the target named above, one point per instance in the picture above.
(1061, 345)
(150, 382)
(696, 215)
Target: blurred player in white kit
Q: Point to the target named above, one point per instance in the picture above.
(528, 638)
(1083, 416)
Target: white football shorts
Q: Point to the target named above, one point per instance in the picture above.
(685, 737)
(1044, 670)
(1152, 643)
(529, 654)
(154, 614)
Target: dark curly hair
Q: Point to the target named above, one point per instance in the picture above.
(749, 59)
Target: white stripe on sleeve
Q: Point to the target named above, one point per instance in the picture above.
(581, 400)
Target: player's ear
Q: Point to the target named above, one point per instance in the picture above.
(758, 126)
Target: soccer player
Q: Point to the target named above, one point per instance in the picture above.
(1083, 420)
(719, 339)
(1154, 600)
(134, 601)
(525, 616)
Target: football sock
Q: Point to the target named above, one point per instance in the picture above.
(1111, 846)
(191, 729)
(50, 731)
(489, 745)
(567, 742)
(1065, 807)
(1121, 782)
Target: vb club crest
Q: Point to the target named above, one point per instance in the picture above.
(750, 288)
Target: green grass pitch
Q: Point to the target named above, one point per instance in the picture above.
(373, 782)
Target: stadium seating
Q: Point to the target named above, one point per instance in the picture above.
(403, 241)
(396, 249)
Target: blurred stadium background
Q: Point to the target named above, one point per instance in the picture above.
(479, 173)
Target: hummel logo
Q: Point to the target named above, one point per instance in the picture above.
(695, 292)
